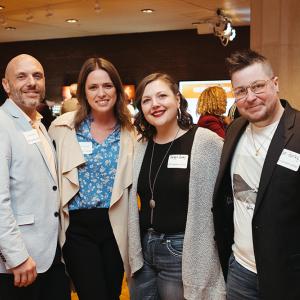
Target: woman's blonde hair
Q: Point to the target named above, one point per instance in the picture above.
(212, 101)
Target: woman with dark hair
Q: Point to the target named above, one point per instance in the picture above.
(94, 147)
(172, 252)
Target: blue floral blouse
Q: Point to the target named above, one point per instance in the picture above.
(97, 175)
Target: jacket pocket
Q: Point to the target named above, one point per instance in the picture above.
(24, 219)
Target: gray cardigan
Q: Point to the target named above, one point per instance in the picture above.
(201, 271)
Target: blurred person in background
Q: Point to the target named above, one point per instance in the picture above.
(72, 103)
(211, 107)
(45, 110)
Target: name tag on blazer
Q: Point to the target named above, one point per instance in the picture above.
(178, 161)
(31, 136)
(289, 159)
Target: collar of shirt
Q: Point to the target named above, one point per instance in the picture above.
(84, 130)
(37, 118)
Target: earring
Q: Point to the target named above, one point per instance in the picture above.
(178, 114)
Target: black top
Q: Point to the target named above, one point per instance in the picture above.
(171, 189)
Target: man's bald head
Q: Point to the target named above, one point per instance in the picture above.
(20, 58)
(24, 82)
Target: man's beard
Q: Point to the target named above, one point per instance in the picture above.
(19, 97)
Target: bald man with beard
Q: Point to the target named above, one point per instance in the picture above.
(30, 259)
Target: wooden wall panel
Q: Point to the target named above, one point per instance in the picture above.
(183, 54)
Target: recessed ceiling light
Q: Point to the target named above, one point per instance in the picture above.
(71, 20)
(147, 10)
(2, 7)
(10, 28)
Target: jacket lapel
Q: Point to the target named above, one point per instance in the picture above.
(70, 163)
(45, 133)
(282, 135)
(123, 177)
(236, 130)
(11, 108)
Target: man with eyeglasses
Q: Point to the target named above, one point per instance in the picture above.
(256, 204)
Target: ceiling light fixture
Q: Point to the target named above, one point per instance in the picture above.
(72, 21)
(2, 7)
(147, 10)
(219, 25)
(223, 29)
(97, 7)
(10, 28)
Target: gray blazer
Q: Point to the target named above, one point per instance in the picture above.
(29, 196)
(201, 270)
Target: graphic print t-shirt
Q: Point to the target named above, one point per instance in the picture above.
(246, 170)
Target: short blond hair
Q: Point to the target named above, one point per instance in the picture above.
(212, 101)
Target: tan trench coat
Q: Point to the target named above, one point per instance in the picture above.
(70, 157)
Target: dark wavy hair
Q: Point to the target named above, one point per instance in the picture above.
(120, 109)
(146, 130)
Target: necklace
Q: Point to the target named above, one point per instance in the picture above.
(257, 149)
(152, 186)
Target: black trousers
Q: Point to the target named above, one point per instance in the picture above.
(92, 255)
(53, 284)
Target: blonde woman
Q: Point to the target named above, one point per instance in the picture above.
(211, 106)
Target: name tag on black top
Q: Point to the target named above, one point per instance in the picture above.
(178, 161)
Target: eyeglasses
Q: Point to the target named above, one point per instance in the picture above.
(257, 87)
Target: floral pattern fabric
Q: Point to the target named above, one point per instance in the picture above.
(97, 175)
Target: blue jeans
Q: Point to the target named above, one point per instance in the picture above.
(242, 284)
(161, 275)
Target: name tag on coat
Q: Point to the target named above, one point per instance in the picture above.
(289, 159)
(178, 161)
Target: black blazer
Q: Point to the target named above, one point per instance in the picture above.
(276, 219)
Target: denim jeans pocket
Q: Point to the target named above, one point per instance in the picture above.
(231, 260)
(175, 246)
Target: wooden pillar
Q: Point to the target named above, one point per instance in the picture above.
(275, 33)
